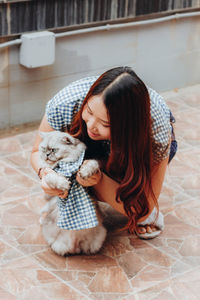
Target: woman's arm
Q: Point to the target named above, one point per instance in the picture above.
(45, 127)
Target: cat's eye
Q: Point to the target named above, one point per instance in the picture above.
(43, 149)
(54, 150)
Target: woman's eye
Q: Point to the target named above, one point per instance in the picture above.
(89, 112)
(106, 126)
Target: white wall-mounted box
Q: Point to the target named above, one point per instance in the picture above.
(37, 49)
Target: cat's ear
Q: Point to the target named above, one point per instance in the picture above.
(43, 134)
(66, 140)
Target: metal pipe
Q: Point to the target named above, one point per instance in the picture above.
(112, 27)
(11, 43)
(126, 25)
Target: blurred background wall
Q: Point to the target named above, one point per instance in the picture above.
(166, 55)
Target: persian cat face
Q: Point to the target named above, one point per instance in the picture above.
(57, 146)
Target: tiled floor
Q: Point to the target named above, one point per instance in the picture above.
(127, 268)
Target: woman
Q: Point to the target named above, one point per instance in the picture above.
(128, 127)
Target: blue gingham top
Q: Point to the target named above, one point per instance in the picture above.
(77, 211)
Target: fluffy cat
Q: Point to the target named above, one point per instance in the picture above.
(59, 147)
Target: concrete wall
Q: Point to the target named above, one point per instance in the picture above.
(165, 55)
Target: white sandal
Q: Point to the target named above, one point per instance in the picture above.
(151, 220)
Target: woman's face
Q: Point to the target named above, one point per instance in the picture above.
(96, 118)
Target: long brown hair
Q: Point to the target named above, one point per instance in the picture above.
(130, 161)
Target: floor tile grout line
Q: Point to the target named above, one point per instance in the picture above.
(6, 290)
(153, 296)
(61, 280)
(116, 258)
(185, 222)
(151, 264)
(169, 255)
(176, 258)
(24, 255)
(13, 153)
(21, 172)
(18, 198)
(178, 276)
(31, 256)
(165, 280)
(13, 246)
(20, 235)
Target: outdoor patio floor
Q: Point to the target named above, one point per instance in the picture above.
(127, 268)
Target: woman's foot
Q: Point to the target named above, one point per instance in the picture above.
(147, 228)
(151, 227)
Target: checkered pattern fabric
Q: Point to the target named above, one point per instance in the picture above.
(161, 127)
(61, 109)
(77, 211)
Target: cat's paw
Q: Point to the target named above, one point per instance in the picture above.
(94, 241)
(89, 168)
(63, 183)
(56, 181)
(60, 248)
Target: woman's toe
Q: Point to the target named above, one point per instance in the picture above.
(154, 229)
(141, 230)
(148, 229)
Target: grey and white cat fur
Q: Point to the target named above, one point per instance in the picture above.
(58, 146)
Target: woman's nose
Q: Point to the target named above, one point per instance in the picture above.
(91, 123)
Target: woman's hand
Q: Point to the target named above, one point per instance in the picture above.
(90, 181)
(47, 189)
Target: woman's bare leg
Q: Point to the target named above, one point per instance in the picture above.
(106, 189)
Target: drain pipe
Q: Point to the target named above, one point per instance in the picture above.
(112, 27)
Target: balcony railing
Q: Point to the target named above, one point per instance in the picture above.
(21, 16)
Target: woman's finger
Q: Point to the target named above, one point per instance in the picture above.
(92, 180)
(48, 190)
(64, 194)
(47, 171)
